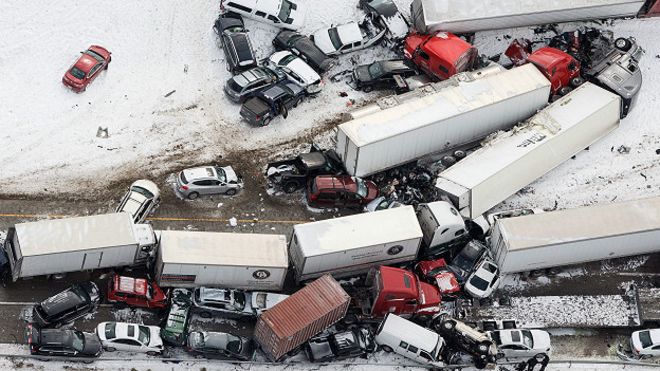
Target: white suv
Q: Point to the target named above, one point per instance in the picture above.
(297, 71)
(396, 334)
(287, 14)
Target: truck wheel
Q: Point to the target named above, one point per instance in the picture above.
(622, 44)
(387, 348)
(230, 192)
(448, 160)
(565, 90)
(193, 195)
(577, 81)
(290, 187)
(459, 155)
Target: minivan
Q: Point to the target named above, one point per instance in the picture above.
(396, 334)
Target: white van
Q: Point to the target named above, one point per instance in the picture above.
(289, 14)
(396, 334)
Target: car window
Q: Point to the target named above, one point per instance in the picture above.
(479, 283)
(285, 11)
(260, 14)
(403, 345)
(239, 7)
(94, 69)
(110, 330)
(334, 38)
(426, 356)
(273, 19)
(412, 348)
(143, 334)
(77, 73)
(203, 183)
(130, 342)
(327, 196)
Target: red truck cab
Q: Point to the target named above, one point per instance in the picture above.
(136, 292)
(398, 291)
(440, 55)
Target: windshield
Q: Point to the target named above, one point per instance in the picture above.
(334, 38)
(375, 70)
(78, 341)
(479, 283)
(143, 192)
(233, 344)
(239, 300)
(240, 81)
(143, 335)
(285, 11)
(527, 339)
(645, 339)
(77, 73)
(94, 55)
(362, 189)
(222, 176)
(288, 59)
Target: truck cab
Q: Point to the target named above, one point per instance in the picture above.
(443, 228)
(440, 55)
(398, 291)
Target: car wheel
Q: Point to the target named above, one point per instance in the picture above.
(448, 325)
(266, 122)
(482, 348)
(290, 187)
(297, 102)
(622, 44)
(193, 195)
(230, 192)
(152, 353)
(387, 348)
(88, 361)
(110, 349)
(205, 314)
(367, 89)
(120, 305)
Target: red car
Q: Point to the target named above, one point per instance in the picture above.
(437, 272)
(340, 191)
(136, 292)
(86, 68)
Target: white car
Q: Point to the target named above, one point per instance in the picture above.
(484, 280)
(130, 337)
(289, 14)
(140, 200)
(348, 37)
(239, 303)
(297, 71)
(514, 343)
(646, 343)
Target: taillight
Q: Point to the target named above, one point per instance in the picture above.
(184, 187)
(258, 118)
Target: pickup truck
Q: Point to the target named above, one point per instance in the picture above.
(291, 175)
(272, 102)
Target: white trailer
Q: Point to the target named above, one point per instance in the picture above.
(57, 246)
(351, 245)
(463, 112)
(575, 236)
(467, 16)
(511, 160)
(246, 261)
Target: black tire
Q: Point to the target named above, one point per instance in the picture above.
(350, 319)
(231, 192)
(480, 363)
(577, 81)
(193, 195)
(554, 98)
(266, 121)
(297, 102)
(459, 155)
(120, 305)
(205, 314)
(387, 348)
(564, 90)
(482, 348)
(88, 361)
(367, 89)
(448, 160)
(448, 325)
(290, 187)
(152, 353)
(622, 44)
(110, 349)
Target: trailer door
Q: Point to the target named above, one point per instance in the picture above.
(92, 260)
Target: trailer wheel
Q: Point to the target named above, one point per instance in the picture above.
(290, 187)
(459, 155)
(622, 44)
(564, 90)
(448, 160)
(577, 81)
(387, 348)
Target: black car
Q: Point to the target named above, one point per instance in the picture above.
(303, 47)
(357, 342)
(67, 306)
(463, 264)
(235, 42)
(383, 75)
(270, 103)
(220, 345)
(63, 343)
(387, 15)
(247, 84)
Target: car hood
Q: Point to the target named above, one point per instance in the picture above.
(155, 340)
(541, 340)
(133, 204)
(231, 174)
(362, 74)
(92, 344)
(263, 300)
(396, 26)
(322, 40)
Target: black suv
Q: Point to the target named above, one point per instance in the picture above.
(249, 83)
(270, 103)
(383, 75)
(67, 306)
(63, 343)
(357, 342)
(235, 42)
(304, 48)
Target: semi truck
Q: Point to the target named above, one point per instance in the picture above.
(57, 246)
(635, 307)
(248, 261)
(575, 236)
(464, 111)
(511, 160)
(296, 319)
(351, 245)
(468, 16)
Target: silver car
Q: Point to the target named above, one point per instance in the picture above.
(233, 303)
(140, 200)
(208, 180)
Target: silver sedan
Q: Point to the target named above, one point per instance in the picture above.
(208, 180)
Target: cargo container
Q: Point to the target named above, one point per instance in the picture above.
(467, 16)
(56, 246)
(464, 111)
(512, 160)
(575, 236)
(247, 261)
(351, 245)
(293, 321)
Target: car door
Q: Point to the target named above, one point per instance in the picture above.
(515, 350)
(203, 187)
(219, 186)
(93, 72)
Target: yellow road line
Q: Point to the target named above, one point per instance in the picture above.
(164, 219)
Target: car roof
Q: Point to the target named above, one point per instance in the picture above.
(216, 340)
(242, 46)
(349, 33)
(147, 185)
(132, 285)
(197, 173)
(301, 68)
(230, 20)
(394, 65)
(121, 330)
(62, 301)
(214, 294)
(85, 62)
(336, 182)
(55, 336)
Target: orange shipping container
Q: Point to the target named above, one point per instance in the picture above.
(304, 314)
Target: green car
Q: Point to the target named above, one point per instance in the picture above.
(175, 330)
